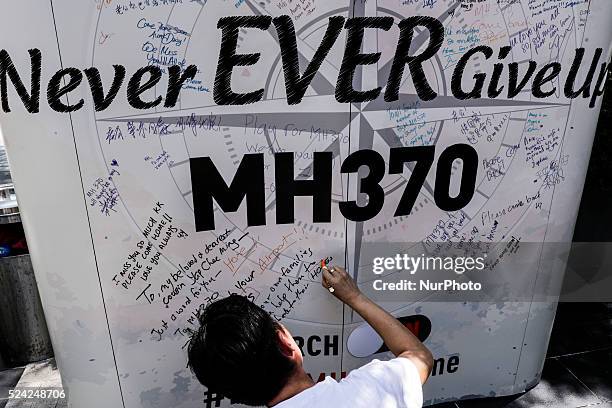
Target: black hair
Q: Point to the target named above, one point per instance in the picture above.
(236, 352)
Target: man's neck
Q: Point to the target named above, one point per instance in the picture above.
(298, 382)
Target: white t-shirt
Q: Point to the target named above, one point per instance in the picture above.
(386, 384)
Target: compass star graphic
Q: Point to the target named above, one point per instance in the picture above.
(367, 124)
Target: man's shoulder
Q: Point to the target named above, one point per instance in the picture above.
(394, 380)
(324, 391)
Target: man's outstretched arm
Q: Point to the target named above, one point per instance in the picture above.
(396, 336)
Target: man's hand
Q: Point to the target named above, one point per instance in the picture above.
(396, 336)
(344, 286)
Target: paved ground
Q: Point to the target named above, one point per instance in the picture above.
(41, 375)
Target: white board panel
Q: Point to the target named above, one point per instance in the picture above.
(107, 197)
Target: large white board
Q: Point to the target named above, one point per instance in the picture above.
(107, 199)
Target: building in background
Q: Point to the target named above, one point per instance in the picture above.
(12, 237)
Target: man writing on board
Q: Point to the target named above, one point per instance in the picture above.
(242, 353)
